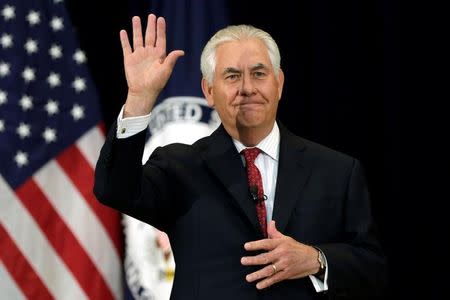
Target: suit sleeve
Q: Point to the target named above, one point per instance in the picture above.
(357, 266)
(123, 183)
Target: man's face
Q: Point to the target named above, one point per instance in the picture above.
(245, 90)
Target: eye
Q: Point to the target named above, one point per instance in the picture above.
(232, 77)
(259, 74)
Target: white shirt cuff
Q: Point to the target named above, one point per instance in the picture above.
(320, 285)
(127, 127)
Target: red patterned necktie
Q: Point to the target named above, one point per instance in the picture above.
(255, 184)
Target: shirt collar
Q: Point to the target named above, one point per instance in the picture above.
(269, 145)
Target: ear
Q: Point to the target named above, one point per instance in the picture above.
(280, 83)
(207, 91)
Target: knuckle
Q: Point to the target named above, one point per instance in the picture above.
(281, 264)
(285, 246)
(262, 274)
(277, 279)
(253, 276)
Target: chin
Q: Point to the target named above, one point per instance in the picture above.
(249, 122)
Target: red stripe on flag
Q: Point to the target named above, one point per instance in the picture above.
(20, 269)
(81, 173)
(63, 241)
(102, 128)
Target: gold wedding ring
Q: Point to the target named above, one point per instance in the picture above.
(274, 268)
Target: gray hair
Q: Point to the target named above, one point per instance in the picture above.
(236, 33)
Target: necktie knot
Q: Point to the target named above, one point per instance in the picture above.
(250, 154)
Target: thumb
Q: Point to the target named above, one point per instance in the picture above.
(173, 56)
(272, 231)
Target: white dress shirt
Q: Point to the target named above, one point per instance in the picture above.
(266, 162)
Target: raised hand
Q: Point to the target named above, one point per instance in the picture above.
(147, 67)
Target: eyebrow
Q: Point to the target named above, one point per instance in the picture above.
(258, 66)
(233, 70)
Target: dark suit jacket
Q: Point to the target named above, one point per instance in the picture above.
(199, 195)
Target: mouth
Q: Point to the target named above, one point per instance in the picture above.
(250, 107)
(250, 103)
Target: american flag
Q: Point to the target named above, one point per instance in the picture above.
(56, 240)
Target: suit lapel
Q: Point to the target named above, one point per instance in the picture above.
(292, 176)
(225, 163)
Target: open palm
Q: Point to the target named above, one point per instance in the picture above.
(147, 68)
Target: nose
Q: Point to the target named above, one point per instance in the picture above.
(247, 87)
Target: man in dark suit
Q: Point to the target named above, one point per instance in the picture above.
(252, 211)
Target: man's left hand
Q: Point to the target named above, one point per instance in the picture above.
(284, 258)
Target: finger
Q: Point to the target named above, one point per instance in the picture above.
(272, 230)
(150, 31)
(137, 32)
(260, 274)
(260, 259)
(161, 35)
(268, 281)
(265, 244)
(172, 58)
(126, 48)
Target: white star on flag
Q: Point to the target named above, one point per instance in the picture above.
(55, 51)
(33, 18)
(31, 46)
(54, 79)
(3, 97)
(56, 24)
(49, 135)
(77, 112)
(8, 12)
(4, 69)
(23, 130)
(2, 125)
(21, 158)
(79, 57)
(6, 41)
(28, 74)
(79, 84)
(51, 107)
(26, 102)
